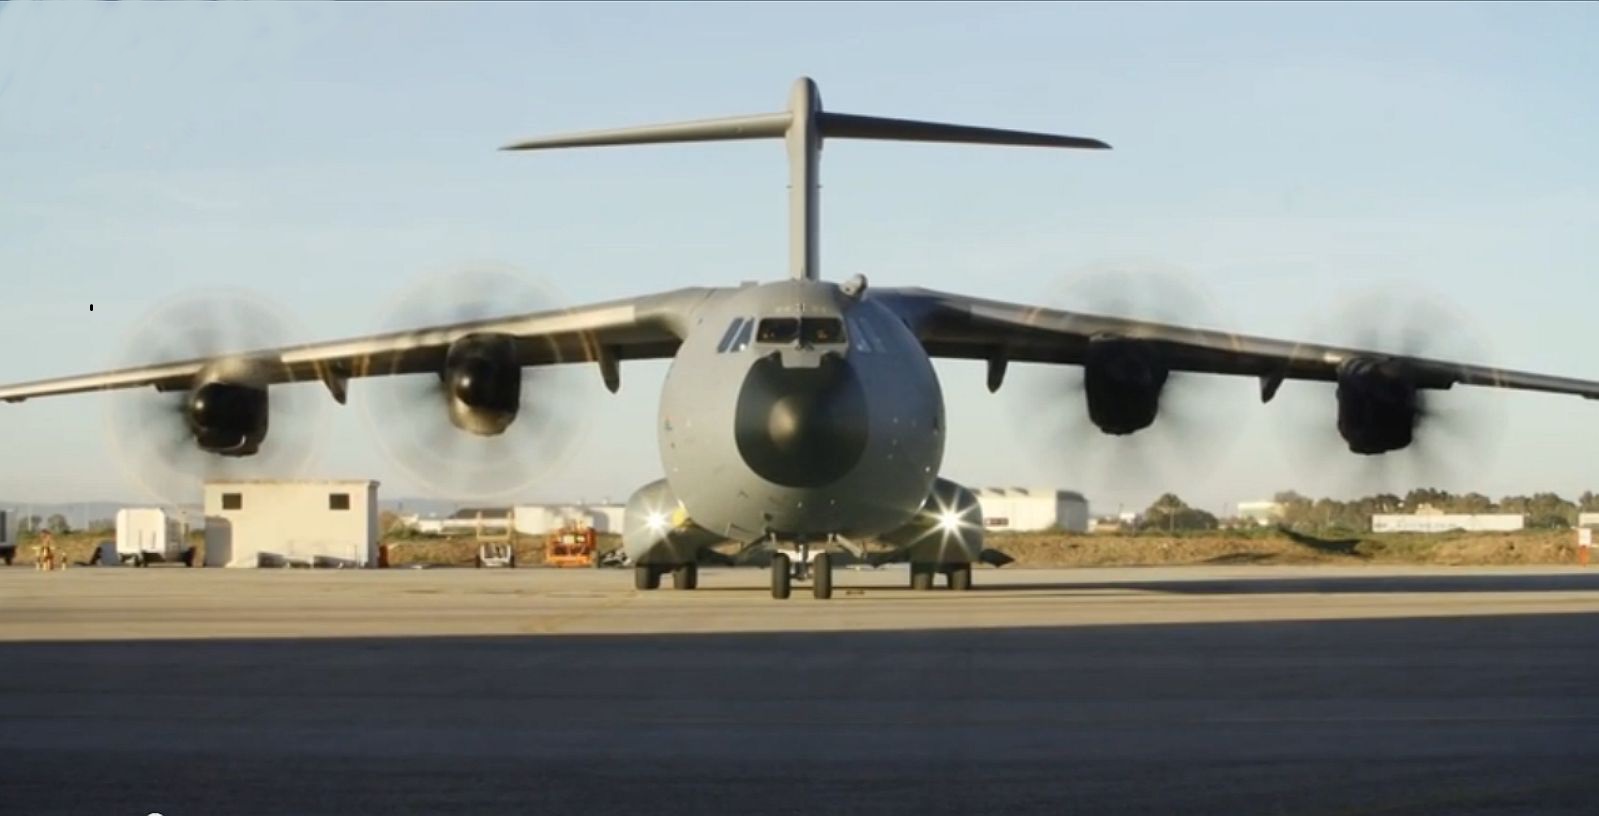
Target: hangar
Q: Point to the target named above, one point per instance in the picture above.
(277, 523)
(1020, 509)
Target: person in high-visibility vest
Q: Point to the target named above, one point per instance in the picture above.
(45, 552)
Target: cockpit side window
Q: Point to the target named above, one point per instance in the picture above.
(743, 341)
(737, 336)
(727, 338)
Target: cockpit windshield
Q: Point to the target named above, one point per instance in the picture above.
(778, 330)
(815, 331)
(810, 331)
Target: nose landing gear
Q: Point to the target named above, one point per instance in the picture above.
(801, 565)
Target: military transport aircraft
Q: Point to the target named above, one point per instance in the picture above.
(801, 417)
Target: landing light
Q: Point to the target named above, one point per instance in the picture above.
(656, 522)
(949, 521)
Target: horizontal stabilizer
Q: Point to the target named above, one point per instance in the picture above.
(804, 126)
(760, 126)
(830, 126)
(850, 126)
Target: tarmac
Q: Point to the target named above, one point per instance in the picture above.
(1151, 690)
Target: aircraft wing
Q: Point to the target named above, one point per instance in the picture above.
(647, 327)
(956, 326)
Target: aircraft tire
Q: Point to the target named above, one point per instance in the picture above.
(960, 578)
(646, 577)
(822, 577)
(782, 579)
(921, 576)
(686, 576)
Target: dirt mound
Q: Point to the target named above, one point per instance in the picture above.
(1067, 550)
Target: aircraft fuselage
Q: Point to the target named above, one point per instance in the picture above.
(796, 410)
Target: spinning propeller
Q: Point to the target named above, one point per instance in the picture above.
(1453, 433)
(1123, 422)
(157, 435)
(480, 426)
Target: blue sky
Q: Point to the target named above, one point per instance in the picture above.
(1293, 164)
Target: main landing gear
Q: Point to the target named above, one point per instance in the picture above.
(818, 569)
(957, 576)
(648, 576)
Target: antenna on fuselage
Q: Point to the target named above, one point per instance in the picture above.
(803, 127)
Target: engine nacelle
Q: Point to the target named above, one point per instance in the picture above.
(948, 529)
(1378, 404)
(657, 530)
(1123, 379)
(483, 381)
(227, 417)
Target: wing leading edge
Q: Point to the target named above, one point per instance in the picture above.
(960, 327)
(649, 327)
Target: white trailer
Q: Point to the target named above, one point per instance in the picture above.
(8, 536)
(149, 535)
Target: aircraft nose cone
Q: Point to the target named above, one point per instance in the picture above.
(802, 427)
(787, 424)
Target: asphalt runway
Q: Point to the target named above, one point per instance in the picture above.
(1196, 691)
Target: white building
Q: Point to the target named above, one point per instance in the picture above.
(1446, 522)
(1262, 513)
(538, 519)
(251, 523)
(477, 521)
(1018, 509)
(425, 526)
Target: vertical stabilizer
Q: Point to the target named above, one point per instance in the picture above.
(804, 186)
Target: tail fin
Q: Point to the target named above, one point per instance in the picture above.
(803, 127)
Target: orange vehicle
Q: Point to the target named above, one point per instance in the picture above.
(571, 546)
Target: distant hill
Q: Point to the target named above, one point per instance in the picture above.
(78, 514)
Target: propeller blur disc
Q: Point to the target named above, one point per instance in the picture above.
(1458, 431)
(1198, 417)
(408, 413)
(148, 429)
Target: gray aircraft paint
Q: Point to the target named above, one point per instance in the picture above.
(726, 492)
